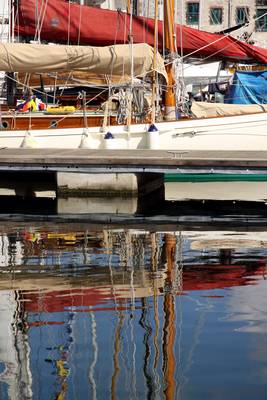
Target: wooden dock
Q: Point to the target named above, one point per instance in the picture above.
(103, 171)
(133, 161)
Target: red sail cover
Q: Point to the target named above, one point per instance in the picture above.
(57, 20)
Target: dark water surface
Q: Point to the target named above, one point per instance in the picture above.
(100, 311)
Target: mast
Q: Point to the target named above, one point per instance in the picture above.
(130, 90)
(9, 77)
(153, 114)
(169, 36)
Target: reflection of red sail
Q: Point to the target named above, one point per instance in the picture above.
(65, 300)
(88, 25)
(200, 277)
(208, 277)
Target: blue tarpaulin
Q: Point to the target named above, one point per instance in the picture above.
(247, 88)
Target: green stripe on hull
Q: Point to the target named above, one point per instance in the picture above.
(215, 178)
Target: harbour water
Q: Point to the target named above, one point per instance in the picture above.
(110, 306)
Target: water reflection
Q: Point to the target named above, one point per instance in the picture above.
(126, 313)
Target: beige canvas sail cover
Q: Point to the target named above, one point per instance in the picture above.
(211, 110)
(109, 60)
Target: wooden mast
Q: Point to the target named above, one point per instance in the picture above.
(170, 47)
(153, 99)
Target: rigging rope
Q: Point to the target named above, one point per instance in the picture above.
(69, 17)
(40, 21)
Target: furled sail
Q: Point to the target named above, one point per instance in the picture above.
(38, 58)
(72, 23)
(73, 78)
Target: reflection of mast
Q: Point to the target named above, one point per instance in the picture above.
(62, 363)
(169, 320)
(155, 339)
(130, 264)
(116, 352)
(108, 244)
(92, 366)
(14, 347)
(116, 369)
(154, 267)
(148, 331)
(225, 256)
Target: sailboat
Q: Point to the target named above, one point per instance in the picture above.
(210, 127)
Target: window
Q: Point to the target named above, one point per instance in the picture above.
(4, 125)
(192, 14)
(261, 3)
(242, 15)
(261, 20)
(53, 124)
(135, 7)
(215, 16)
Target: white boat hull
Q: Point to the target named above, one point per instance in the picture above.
(242, 132)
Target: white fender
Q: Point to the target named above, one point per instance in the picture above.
(109, 141)
(153, 138)
(29, 141)
(87, 142)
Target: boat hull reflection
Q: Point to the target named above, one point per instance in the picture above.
(104, 312)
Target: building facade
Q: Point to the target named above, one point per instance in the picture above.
(219, 15)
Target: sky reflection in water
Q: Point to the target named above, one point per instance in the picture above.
(132, 314)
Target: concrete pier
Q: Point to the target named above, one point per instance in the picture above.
(93, 184)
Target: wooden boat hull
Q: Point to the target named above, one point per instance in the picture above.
(40, 121)
(243, 132)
